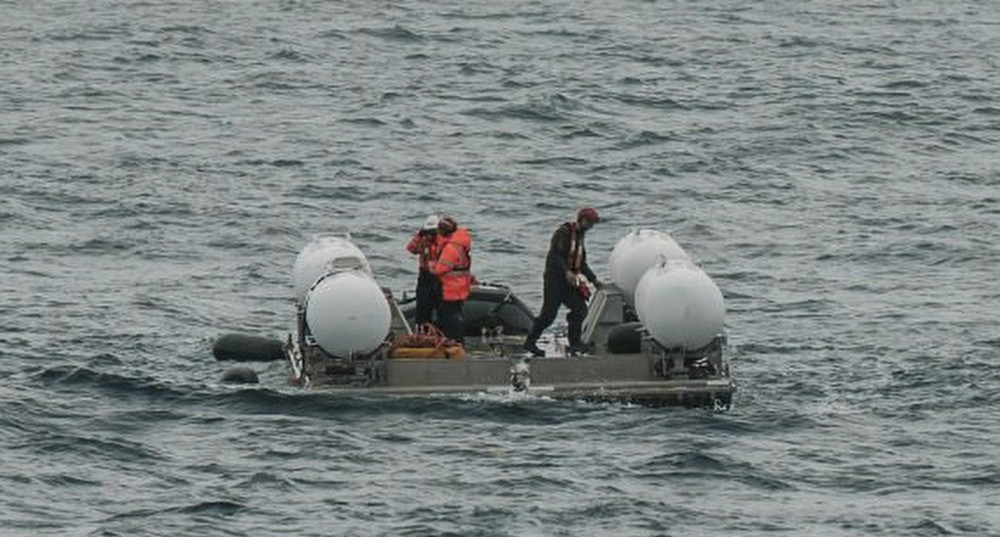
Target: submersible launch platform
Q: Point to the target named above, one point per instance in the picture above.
(653, 339)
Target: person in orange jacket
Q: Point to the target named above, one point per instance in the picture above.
(425, 245)
(453, 267)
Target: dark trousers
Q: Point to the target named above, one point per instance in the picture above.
(451, 320)
(556, 292)
(428, 296)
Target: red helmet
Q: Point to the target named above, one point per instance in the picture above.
(447, 225)
(588, 213)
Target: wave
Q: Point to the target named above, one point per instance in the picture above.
(76, 376)
(204, 508)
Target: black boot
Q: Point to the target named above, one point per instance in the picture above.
(531, 346)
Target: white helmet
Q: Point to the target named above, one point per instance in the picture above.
(431, 223)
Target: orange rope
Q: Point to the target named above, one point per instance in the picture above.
(427, 336)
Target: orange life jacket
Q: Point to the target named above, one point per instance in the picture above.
(453, 266)
(575, 248)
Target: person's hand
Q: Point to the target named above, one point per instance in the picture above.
(598, 284)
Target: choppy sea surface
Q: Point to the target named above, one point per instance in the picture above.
(832, 165)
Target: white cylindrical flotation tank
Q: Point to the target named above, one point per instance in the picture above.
(636, 252)
(680, 305)
(324, 254)
(347, 313)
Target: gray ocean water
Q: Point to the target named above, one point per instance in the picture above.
(832, 165)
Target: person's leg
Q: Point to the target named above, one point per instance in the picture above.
(425, 297)
(551, 300)
(574, 319)
(452, 323)
(434, 294)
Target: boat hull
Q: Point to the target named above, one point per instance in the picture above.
(623, 378)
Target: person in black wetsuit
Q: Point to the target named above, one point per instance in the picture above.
(565, 282)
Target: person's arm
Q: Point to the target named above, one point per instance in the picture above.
(559, 249)
(417, 243)
(446, 261)
(585, 269)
